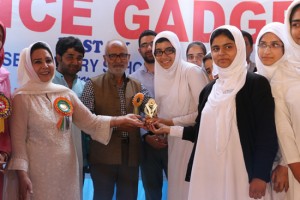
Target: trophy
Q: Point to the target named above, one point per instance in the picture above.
(150, 111)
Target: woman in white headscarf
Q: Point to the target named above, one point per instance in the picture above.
(287, 109)
(235, 136)
(43, 153)
(271, 62)
(177, 85)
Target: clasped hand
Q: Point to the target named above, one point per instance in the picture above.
(157, 126)
(257, 188)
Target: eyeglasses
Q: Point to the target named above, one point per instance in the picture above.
(122, 56)
(198, 56)
(146, 45)
(167, 51)
(272, 45)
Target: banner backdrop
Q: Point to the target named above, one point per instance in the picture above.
(97, 21)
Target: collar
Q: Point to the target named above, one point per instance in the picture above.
(144, 68)
(111, 78)
(61, 76)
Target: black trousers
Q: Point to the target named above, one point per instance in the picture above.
(106, 177)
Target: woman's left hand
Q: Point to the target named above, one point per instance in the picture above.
(280, 179)
(25, 185)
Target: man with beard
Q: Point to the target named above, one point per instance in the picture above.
(69, 56)
(155, 152)
(111, 93)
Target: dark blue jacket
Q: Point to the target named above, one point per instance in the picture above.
(256, 126)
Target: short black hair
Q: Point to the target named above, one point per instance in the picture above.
(207, 57)
(146, 33)
(248, 35)
(221, 31)
(293, 12)
(65, 43)
(40, 45)
(196, 43)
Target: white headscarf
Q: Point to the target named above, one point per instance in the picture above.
(275, 72)
(29, 81)
(172, 92)
(229, 83)
(279, 30)
(293, 49)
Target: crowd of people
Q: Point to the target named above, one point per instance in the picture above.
(226, 127)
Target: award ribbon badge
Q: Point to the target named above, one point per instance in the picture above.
(5, 110)
(64, 108)
(137, 102)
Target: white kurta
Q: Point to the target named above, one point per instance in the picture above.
(218, 175)
(288, 128)
(179, 151)
(289, 133)
(275, 76)
(46, 153)
(177, 92)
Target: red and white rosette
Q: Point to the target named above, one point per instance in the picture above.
(64, 108)
(5, 110)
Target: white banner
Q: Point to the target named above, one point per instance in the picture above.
(97, 21)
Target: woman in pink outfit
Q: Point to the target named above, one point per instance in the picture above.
(5, 108)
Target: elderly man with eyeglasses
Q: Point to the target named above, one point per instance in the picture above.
(111, 93)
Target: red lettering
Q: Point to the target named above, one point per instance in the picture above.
(172, 7)
(5, 13)
(242, 7)
(200, 7)
(257, 25)
(119, 18)
(29, 22)
(278, 10)
(69, 12)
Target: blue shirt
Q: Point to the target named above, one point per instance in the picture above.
(77, 85)
(146, 78)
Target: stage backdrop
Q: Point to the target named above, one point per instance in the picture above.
(97, 21)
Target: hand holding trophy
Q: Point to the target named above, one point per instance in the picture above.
(151, 121)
